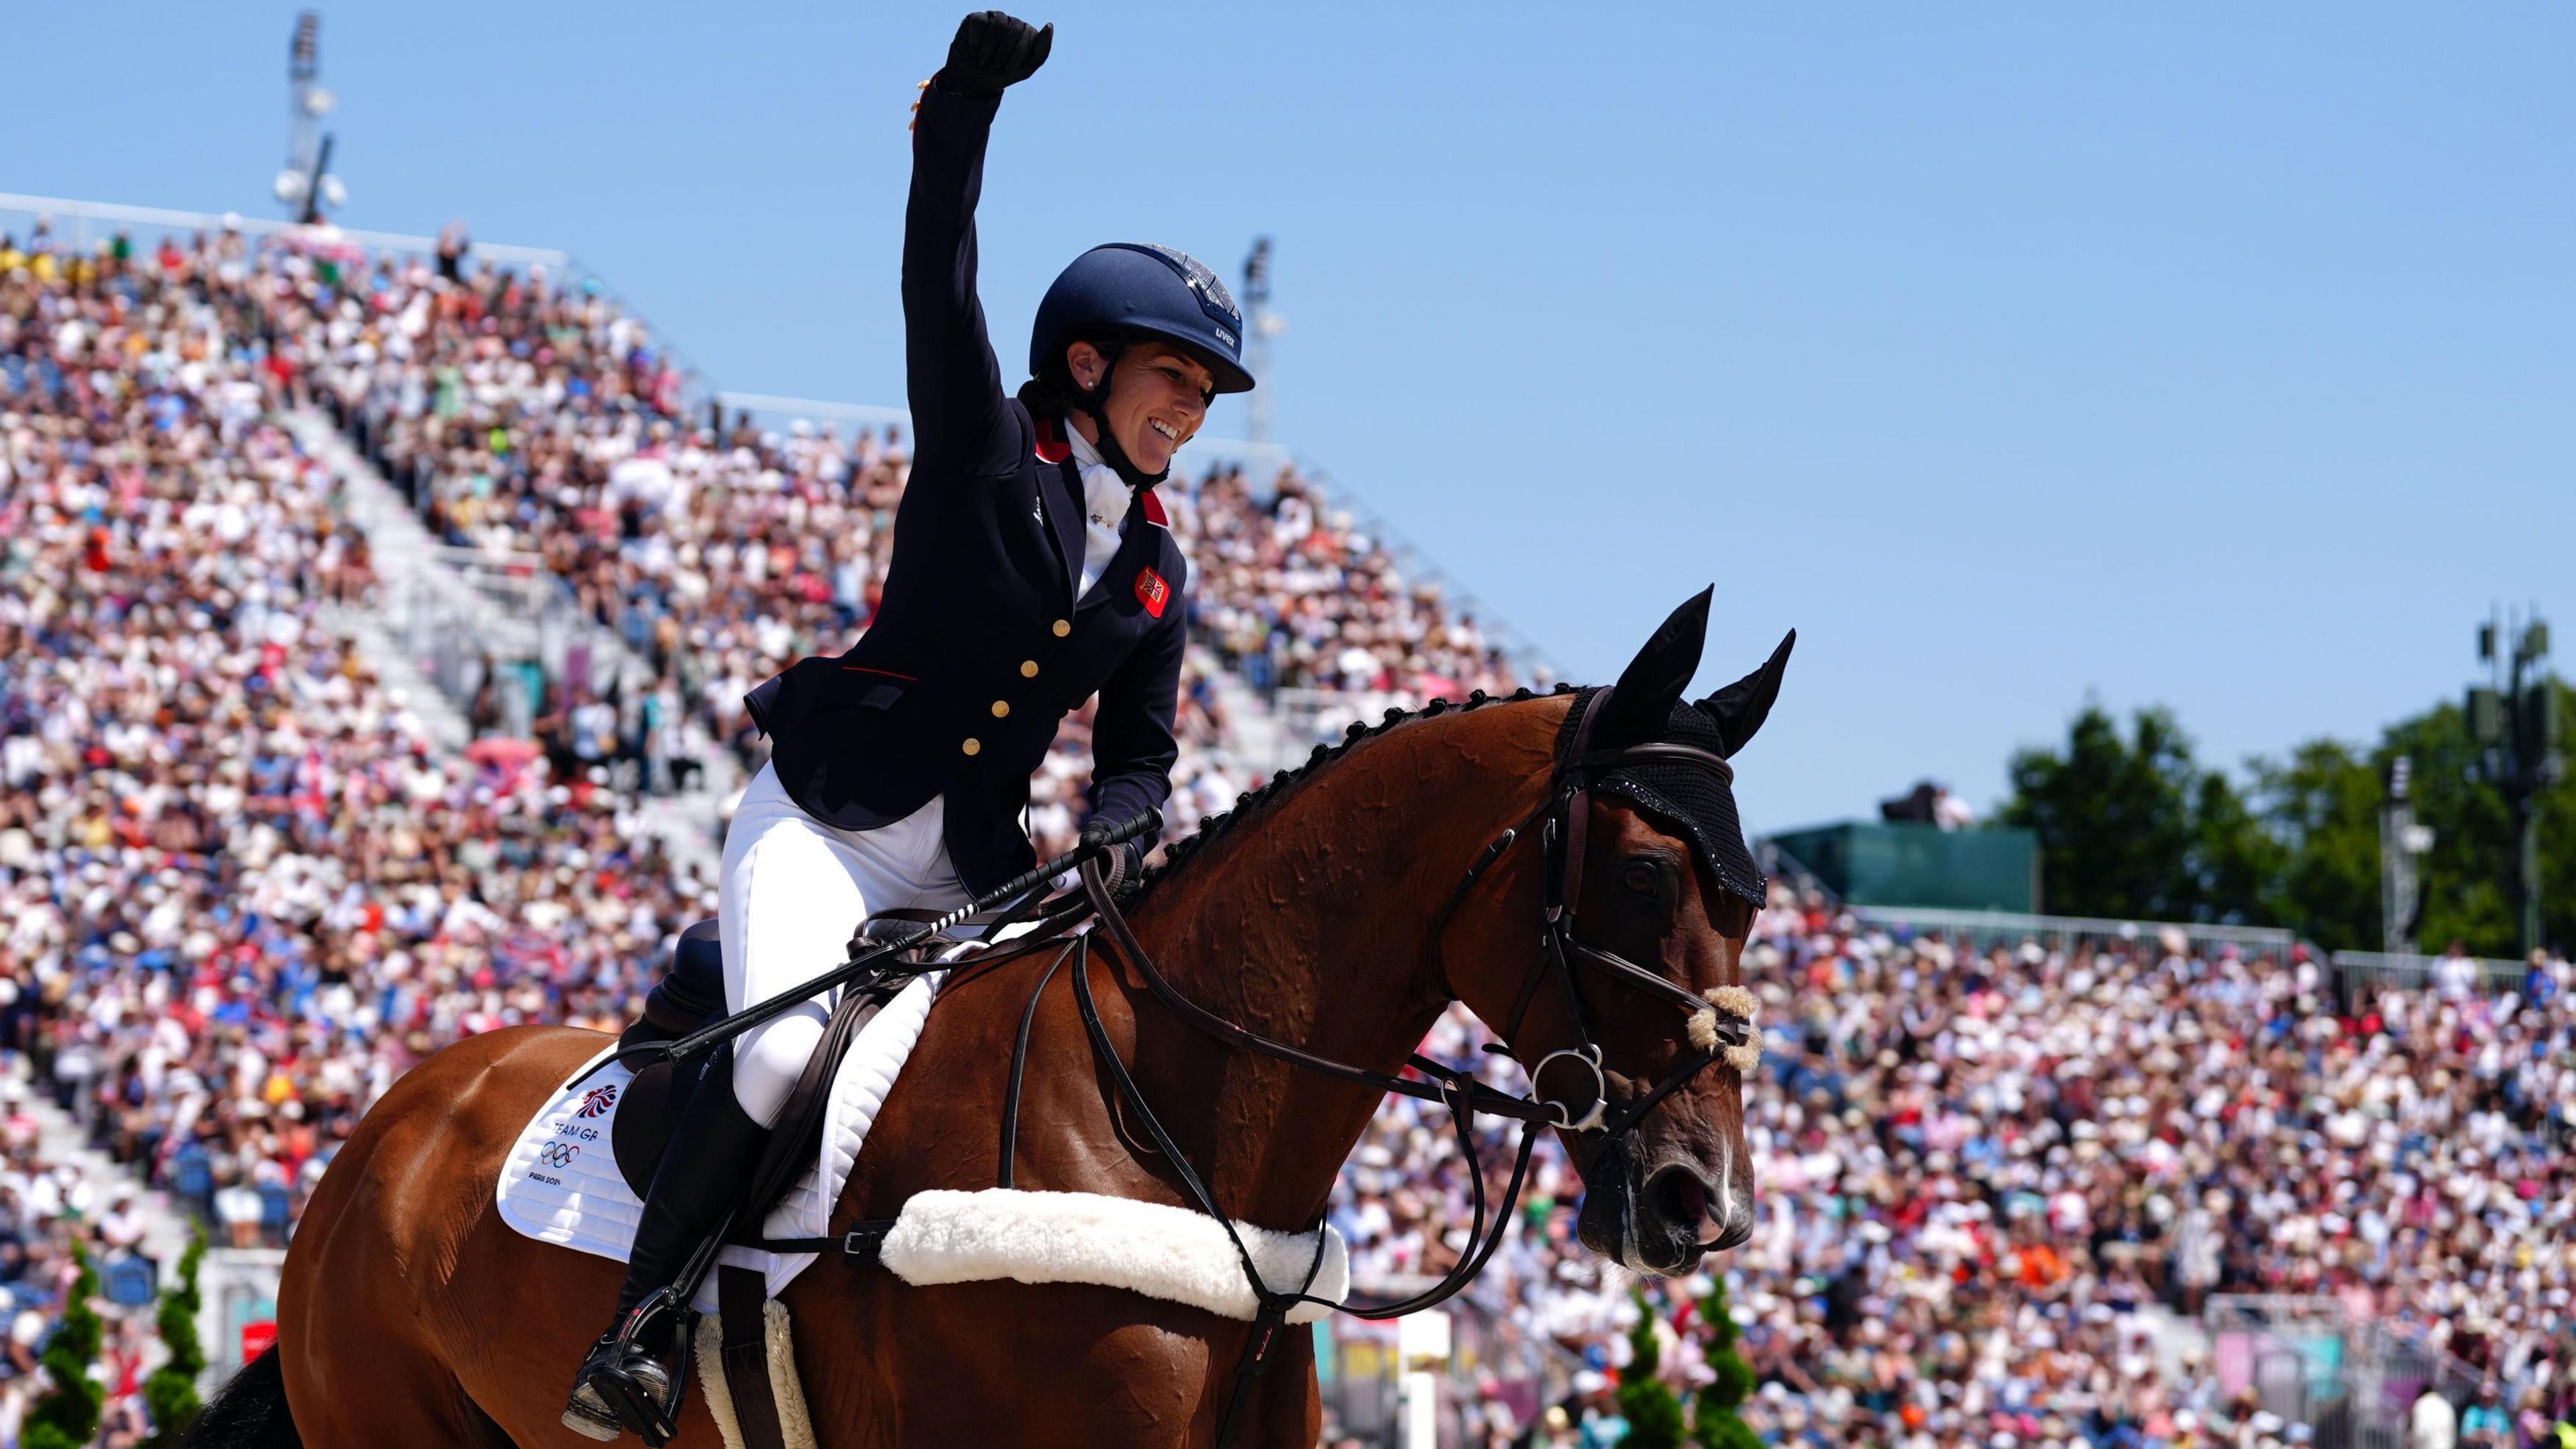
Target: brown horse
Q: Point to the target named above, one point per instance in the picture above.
(412, 1315)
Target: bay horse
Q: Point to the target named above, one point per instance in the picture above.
(410, 1314)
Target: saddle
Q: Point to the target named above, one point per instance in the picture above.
(691, 994)
(752, 1388)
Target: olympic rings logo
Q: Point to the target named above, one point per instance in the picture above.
(558, 1154)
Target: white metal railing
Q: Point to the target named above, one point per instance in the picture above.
(81, 214)
(521, 582)
(2012, 927)
(1311, 717)
(2367, 972)
(1232, 450)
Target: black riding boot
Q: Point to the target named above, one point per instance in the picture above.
(706, 1170)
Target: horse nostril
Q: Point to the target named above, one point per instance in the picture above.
(1680, 1197)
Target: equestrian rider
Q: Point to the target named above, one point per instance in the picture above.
(1033, 568)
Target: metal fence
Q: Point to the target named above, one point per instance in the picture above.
(1414, 1383)
(2363, 974)
(1986, 929)
(2303, 1359)
(1311, 717)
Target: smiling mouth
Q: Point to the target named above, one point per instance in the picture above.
(1164, 428)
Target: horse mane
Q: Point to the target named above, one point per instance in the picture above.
(1260, 802)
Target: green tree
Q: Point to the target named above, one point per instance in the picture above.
(2133, 827)
(1716, 1420)
(65, 1416)
(170, 1391)
(2320, 808)
(1652, 1409)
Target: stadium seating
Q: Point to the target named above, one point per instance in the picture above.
(241, 888)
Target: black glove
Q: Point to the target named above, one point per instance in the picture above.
(993, 50)
(1122, 870)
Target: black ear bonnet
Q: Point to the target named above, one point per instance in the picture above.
(1646, 706)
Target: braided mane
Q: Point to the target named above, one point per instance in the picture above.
(1258, 802)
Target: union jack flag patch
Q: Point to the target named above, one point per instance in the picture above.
(1152, 592)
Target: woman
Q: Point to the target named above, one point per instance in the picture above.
(1032, 569)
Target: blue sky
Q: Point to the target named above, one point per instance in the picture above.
(2212, 355)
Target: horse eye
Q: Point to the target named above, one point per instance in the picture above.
(1642, 878)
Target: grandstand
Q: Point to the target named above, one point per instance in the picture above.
(372, 633)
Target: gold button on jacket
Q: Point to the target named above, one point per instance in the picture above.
(1063, 627)
(971, 746)
(1028, 669)
(1001, 708)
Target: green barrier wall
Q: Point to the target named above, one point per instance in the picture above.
(1875, 864)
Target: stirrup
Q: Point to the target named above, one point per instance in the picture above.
(620, 1370)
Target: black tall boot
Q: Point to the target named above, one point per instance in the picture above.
(706, 1170)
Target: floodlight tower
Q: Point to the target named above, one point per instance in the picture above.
(2402, 847)
(2514, 723)
(306, 185)
(1260, 324)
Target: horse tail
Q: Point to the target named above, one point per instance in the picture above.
(250, 1413)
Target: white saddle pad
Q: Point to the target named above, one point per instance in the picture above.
(560, 1183)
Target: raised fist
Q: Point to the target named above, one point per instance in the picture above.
(993, 50)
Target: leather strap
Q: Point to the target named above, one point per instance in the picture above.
(742, 1299)
(799, 1128)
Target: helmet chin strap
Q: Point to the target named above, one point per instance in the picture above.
(1094, 401)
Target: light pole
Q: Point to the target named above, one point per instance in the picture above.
(2402, 846)
(306, 185)
(2514, 723)
(1260, 324)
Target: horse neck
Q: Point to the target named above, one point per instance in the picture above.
(1313, 928)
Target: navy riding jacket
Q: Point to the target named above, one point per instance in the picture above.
(980, 647)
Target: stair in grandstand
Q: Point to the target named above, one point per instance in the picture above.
(445, 614)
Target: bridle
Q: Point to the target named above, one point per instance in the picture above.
(1719, 1028)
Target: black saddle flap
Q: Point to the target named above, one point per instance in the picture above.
(690, 994)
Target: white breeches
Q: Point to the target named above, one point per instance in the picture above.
(793, 891)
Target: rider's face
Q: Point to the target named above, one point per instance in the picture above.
(1157, 399)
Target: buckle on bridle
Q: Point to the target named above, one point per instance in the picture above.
(1590, 1056)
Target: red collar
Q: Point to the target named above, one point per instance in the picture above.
(1052, 446)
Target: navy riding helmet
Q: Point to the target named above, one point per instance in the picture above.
(1143, 290)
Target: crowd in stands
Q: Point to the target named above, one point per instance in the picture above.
(241, 890)
(1983, 1177)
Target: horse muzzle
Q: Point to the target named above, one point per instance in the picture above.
(1649, 1219)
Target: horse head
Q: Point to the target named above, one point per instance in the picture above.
(1634, 1015)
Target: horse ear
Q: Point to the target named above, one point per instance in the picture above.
(1641, 704)
(1740, 708)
